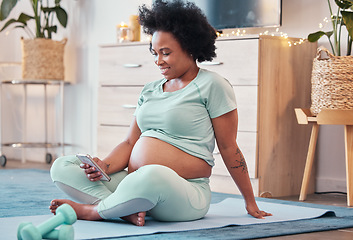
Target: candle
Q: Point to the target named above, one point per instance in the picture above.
(135, 28)
(122, 32)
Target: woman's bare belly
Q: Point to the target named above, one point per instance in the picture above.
(148, 150)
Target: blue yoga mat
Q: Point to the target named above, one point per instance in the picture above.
(230, 211)
(27, 192)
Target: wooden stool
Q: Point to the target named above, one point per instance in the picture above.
(329, 117)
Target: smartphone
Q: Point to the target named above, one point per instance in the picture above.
(86, 158)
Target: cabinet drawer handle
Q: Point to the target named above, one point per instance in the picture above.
(129, 106)
(132, 65)
(211, 63)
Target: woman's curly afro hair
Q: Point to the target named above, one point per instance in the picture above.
(186, 22)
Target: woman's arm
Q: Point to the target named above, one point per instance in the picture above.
(225, 128)
(118, 159)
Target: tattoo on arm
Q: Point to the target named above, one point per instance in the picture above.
(240, 162)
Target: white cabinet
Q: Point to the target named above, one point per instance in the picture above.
(123, 71)
(269, 79)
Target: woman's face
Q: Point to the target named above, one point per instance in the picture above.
(173, 61)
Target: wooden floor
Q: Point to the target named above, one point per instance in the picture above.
(325, 199)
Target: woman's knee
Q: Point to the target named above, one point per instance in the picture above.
(62, 165)
(155, 174)
(158, 179)
(148, 180)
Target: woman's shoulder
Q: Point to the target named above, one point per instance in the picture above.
(153, 85)
(210, 78)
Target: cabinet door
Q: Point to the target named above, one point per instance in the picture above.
(108, 137)
(237, 61)
(127, 65)
(116, 105)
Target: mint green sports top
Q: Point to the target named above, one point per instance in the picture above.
(183, 118)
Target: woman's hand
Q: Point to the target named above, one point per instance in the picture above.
(254, 211)
(92, 173)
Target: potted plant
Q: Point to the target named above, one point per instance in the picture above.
(332, 74)
(343, 17)
(42, 57)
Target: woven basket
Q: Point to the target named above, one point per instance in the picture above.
(332, 82)
(43, 59)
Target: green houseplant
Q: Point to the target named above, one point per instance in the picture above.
(343, 17)
(43, 16)
(332, 74)
(42, 57)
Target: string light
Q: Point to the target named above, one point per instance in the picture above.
(291, 43)
(285, 36)
(239, 32)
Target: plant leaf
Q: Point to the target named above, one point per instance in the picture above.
(62, 16)
(313, 37)
(344, 4)
(23, 18)
(48, 9)
(348, 20)
(329, 34)
(9, 22)
(6, 7)
(351, 1)
(51, 29)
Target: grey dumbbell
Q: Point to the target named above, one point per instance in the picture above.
(65, 214)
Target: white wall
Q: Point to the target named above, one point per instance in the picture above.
(91, 24)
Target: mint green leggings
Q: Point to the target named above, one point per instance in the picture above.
(153, 188)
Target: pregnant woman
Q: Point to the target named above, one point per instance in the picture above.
(168, 150)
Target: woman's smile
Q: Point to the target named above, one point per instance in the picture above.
(164, 70)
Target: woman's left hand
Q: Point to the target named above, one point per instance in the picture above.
(254, 211)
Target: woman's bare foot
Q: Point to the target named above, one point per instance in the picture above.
(89, 212)
(83, 211)
(137, 218)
